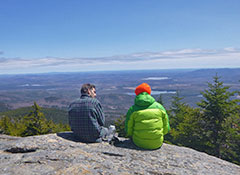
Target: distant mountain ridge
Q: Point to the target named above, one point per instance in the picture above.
(223, 72)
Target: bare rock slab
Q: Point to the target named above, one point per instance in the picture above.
(60, 154)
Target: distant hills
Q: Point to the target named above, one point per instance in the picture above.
(115, 89)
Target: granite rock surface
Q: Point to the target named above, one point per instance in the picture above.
(61, 154)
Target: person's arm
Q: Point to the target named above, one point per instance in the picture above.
(166, 126)
(130, 126)
(127, 120)
(69, 116)
(100, 114)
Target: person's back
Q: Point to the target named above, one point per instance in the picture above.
(146, 121)
(86, 117)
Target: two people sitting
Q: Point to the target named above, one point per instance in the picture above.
(146, 121)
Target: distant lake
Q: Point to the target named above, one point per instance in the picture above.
(29, 85)
(156, 78)
(155, 92)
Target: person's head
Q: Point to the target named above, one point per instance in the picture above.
(144, 87)
(89, 89)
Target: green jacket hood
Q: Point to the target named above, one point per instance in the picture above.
(144, 99)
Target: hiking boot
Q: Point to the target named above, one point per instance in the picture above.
(115, 140)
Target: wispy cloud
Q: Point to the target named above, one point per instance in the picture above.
(184, 55)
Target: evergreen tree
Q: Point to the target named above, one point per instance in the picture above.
(33, 123)
(231, 148)
(188, 132)
(5, 125)
(36, 123)
(218, 108)
(184, 122)
(160, 99)
(177, 110)
(120, 126)
(174, 119)
(18, 126)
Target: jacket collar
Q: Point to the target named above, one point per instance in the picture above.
(84, 95)
(144, 99)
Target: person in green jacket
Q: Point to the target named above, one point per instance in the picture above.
(146, 121)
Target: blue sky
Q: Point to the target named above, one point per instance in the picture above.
(86, 35)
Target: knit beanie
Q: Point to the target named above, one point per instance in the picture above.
(144, 87)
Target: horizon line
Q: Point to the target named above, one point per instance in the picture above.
(120, 70)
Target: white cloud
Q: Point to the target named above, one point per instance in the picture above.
(185, 58)
(230, 49)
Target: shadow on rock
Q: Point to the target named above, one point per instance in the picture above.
(128, 143)
(117, 142)
(68, 136)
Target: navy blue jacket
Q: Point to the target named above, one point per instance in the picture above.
(86, 118)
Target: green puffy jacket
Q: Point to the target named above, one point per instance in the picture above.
(147, 122)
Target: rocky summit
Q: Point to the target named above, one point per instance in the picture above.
(62, 154)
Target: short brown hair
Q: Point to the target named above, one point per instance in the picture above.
(86, 87)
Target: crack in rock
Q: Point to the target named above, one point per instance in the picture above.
(112, 154)
(15, 150)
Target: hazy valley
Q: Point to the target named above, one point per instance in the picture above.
(115, 89)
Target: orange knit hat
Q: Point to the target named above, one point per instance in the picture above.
(144, 87)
